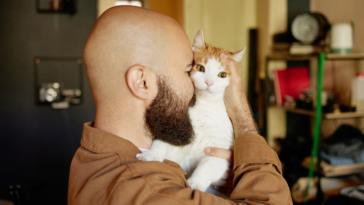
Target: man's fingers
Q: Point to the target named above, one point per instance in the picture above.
(225, 184)
(219, 152)
(230, 63)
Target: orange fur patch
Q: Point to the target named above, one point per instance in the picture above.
(208, 52)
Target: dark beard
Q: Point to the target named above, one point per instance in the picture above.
(167, 117)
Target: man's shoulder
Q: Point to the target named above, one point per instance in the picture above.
(96, 177)
(92, 174)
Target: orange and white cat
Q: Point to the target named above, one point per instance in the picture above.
(209, 118)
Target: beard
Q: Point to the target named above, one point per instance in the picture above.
(167, 117)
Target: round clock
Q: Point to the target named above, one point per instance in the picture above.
(309, 28)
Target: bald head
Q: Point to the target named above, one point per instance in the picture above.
(125, 36)
(126, 55)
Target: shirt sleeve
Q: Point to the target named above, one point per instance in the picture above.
(258, 173)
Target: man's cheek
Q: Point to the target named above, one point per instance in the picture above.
(189, 87)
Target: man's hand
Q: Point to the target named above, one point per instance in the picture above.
(235, 100)
(219, 152)
(225, 184)
(234, 93)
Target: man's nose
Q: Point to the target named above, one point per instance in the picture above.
(209, 83)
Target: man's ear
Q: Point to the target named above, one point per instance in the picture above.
(199, 41)
(138, 80)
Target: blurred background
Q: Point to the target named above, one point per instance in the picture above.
(299, 53)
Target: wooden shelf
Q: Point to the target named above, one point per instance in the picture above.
(327, 116)
(343, 115)
(287, 57)
(300, 111)
(351, 56)
(329, 56)
(335, 171)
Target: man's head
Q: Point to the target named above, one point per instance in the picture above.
(137, 63)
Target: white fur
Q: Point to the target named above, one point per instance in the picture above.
(212, 128)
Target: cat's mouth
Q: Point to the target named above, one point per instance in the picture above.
(209, 90)
(205, 90)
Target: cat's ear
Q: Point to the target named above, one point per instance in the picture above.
(199, 42)
(237, 55)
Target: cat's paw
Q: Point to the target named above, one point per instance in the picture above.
(148, 156)
(197, 184)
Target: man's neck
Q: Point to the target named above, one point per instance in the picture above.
(125, 128)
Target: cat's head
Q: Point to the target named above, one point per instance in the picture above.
(209, 74)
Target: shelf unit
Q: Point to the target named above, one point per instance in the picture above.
(317, 114)
(328, 56)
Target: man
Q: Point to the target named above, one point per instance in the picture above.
(137, 63)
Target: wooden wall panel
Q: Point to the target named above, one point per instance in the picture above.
(344, 10)
(339, 74)
(172, 8)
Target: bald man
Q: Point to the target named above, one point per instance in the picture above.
(138, 64)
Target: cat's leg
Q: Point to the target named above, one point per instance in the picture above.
(208, 170)
(157, 152)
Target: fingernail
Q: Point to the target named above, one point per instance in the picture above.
(223, 56)
(208, 150)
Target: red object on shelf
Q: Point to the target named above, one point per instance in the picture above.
(359, 74)
(291, 81)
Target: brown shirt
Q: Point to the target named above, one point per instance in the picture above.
(104, 170)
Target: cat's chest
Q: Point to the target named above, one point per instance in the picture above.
(209, 115)
(212, 127)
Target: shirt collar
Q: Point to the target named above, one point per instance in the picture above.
(100, 141)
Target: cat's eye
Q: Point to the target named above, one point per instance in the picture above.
(222, 75)
(200, 68)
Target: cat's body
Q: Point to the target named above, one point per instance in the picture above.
(210, 120)
(212, 128)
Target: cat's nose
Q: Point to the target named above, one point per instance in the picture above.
(209, 83)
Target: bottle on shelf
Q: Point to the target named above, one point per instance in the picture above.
(357, 95)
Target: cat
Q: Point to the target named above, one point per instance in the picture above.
(210, 121)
